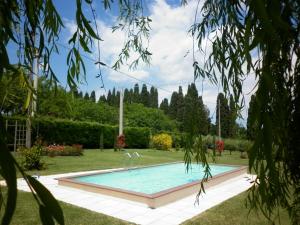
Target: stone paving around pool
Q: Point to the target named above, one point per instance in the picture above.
(171, 214)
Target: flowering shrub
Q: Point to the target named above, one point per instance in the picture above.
(220, 146)
(61, 150)
(121, 141)
(31, 158)
(162, 141)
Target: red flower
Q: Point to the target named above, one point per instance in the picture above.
(220, 145)
(121, 141)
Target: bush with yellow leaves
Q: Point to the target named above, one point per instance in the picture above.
(161, 141)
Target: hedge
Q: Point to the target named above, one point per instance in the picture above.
(88, 134)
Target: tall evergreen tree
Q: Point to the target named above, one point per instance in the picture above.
(180, 107)
(144, 97)
(86, 96)
(93, 96)
(126, 96)
(173, 105)
(113, 97)
(102, 99)
(204, 121)
(251, 124)
(224, 115)
(131, 95)
(164, 105)
(117, 99)
(191, 122)
(136, 94)
(80, 95)
(153, 98)
(233, 116)
(109, 98)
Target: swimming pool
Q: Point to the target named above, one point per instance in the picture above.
(154, 185)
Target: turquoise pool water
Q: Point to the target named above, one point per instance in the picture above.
(154, 179)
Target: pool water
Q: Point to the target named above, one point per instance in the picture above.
(150, 180)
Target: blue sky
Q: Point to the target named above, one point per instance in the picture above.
(170, 44)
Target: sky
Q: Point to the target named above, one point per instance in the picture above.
(170, 43)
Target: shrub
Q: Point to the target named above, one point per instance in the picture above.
(88, 134)
(31, 158)
(60, 150)
(162, 141)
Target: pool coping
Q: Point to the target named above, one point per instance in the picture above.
(152, 200)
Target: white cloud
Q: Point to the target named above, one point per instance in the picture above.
(171, 46)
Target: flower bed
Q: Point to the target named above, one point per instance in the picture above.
(63, 150)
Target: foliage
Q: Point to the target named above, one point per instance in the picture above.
(31, 158)
(164, 105)
(162, 141)
(121, 141)
(195, 118)
(136, 115)
(220, 146)
(64, 150)
(251, 124)
(260, 38)
(224, 115)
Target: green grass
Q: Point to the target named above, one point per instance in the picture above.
(96, 160)
(232, 211)
(27, 213)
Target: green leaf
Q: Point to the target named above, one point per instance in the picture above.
(8, 172)
(45, 216)
(51, 204)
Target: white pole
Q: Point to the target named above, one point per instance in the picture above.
(219, 121)
(121, 113)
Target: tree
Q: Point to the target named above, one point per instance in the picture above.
(224, 115)
(93, 96)
(164, 105)
(144, 96)
(251, 123)
(204, 121)
(232, 117)
(261, 39)
(153, 98)
(180, 105)
(191, 118)
(80, 95)
(102, 99)
(136, 94)
(173, 105)
(86, 96)
(109, 98)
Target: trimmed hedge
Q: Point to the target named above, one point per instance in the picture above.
(67, 132)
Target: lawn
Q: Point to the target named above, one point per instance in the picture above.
(232, 211)
(97, 160)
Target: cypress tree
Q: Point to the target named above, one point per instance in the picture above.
(191, 111)
(251, 124)
(164, 105)
(102, 99)
(144, 97)
(86, 96)
(153, 98)
(173, 105)
(233, 116)
(126, 96)
(93, 96)
(180, 105)
(136, 94)
(80, 95)
(109, 98)
(225, 115)
(204, 120)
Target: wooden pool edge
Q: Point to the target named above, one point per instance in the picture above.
(153, 200)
